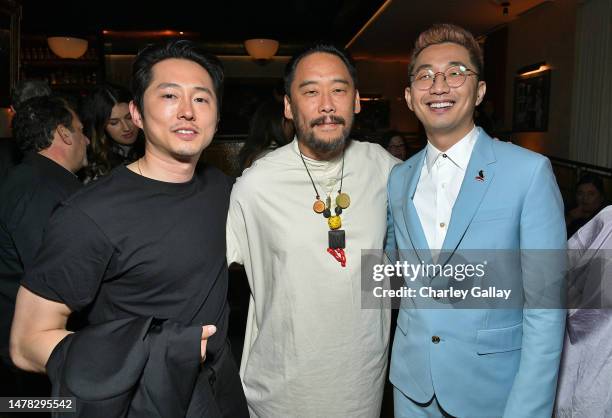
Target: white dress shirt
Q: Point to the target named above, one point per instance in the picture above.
(439, 184)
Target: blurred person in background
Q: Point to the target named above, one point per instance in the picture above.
(590, 199)
(10, 155)
(269, 129)
(395, 143)
(115, 140)
(51, 136)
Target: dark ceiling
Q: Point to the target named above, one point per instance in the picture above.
(292, 22)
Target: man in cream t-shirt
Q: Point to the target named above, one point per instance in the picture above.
(298, 221)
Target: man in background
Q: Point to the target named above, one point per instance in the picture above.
(50, 134)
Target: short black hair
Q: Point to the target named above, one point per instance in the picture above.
(344, 56)
(181, 49)
(37, 118)
(27, 89)
(594, 179)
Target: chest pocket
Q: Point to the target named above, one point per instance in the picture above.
(493, 215)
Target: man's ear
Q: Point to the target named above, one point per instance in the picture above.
(136, 116)
(64, 134)
(480, 92)
(357, 102)
(408, 98)
(288, 112)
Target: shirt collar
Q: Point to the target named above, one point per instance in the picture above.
(459, 154)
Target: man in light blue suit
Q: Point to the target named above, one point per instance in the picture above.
(466, 191)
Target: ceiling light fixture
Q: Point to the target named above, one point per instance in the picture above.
(261, 49)
(67, 47)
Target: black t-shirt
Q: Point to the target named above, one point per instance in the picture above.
(130, 246)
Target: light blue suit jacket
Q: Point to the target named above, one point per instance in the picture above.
(488, 362)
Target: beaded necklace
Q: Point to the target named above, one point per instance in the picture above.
(336, 236)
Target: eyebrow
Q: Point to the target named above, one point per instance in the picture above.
(335, 80)
(450, 64)
(174, 85)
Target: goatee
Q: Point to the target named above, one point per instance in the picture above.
(321, 146)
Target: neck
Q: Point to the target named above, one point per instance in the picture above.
(59, 158)
(164, 168)
(444, 140)
(317, 155)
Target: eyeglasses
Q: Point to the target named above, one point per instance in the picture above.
(454, 76)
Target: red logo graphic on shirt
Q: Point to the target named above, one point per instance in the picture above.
(480, 176)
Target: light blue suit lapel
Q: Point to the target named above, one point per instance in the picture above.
(472, 191)
(411, 217)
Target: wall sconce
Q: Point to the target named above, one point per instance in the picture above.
(533, 69)
(67, 47)
(261, 49)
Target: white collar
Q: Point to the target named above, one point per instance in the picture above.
(459, 154)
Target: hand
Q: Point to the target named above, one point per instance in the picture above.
(207, 332)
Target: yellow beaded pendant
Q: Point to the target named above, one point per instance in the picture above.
(334, 222)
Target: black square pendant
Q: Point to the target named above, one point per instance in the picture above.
(336, 239)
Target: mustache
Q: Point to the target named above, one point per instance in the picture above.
(327, 119)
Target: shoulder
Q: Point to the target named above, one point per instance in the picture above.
(372, 151)
(210, 175)
(272, 166)
(103, 189)
(515, 153)
(372, 157)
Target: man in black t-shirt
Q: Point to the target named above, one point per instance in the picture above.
(143, 250)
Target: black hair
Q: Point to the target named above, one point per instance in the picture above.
(27, 89)
(344, 56)
(181, 49)
(594, 179)
(265, 131)
(388, 136)
(35, 122)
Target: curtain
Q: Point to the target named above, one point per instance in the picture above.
(591, 123)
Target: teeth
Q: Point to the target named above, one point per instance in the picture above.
(185, 131)
(440, 105)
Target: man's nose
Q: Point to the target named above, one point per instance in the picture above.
(185, 110)
(327, 104)
(439, 86)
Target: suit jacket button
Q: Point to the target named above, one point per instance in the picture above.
(435, 339)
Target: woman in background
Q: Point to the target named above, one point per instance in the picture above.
(590, 199)
(395, 143)
(268, 130)
(115, 140)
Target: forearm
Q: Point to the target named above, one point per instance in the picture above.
(32, 352)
